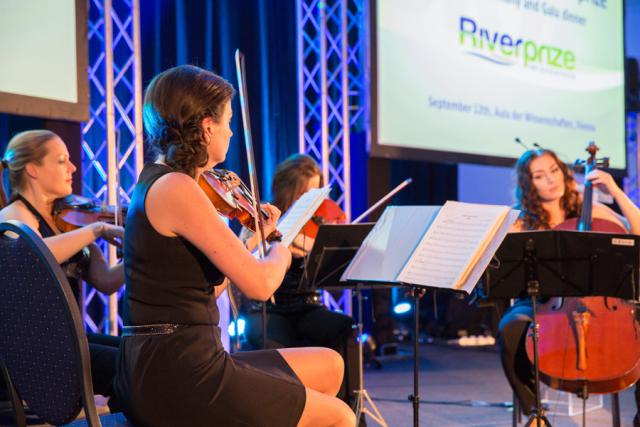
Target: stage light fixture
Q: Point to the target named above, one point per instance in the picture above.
(400, 302)
(402, 308)
(241, 327)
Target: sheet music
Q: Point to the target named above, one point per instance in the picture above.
(301, 212)
(491, 249)
(447, 249)
(399, 228)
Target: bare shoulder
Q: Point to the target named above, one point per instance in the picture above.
(18, 212)
(172, 199)
(173, 184)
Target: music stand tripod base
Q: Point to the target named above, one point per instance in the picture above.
(361, 392)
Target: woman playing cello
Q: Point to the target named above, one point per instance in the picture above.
(547, 196)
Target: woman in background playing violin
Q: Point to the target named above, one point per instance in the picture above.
(40, 172)
(546, 194)
(299, 317)
(173, 369)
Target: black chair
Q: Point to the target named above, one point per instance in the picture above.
(44, 355)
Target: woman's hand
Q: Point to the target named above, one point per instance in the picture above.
(113, 234)
(604, 181)
(274, 215)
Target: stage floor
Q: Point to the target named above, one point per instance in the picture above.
(462, 386)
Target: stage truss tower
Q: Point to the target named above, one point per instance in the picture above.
(332, 93)
(112, 155)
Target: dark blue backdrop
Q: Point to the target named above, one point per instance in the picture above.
(207, 33)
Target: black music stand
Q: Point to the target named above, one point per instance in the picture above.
(333, 250)
(549, 264)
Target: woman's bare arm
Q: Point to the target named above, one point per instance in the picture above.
(105, 278)
(62, 246)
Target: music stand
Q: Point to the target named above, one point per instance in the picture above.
(551, 263)
(333, 250)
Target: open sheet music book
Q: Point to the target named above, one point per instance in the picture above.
(301, 212)
(445, 247)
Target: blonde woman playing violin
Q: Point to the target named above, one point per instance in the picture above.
(40, 172)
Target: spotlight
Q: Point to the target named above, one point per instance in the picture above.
(401, 302)
(402, 308)
(241, 327)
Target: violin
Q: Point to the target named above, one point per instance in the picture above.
(589, 344)
(73, 212)
(327, 213)
(232, 199)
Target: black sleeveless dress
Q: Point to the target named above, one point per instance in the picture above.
(186, 378)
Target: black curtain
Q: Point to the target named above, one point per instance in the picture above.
(207, 33)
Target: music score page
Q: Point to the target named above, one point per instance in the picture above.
(301, 212)
(450, 248)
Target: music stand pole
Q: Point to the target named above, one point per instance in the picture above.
(415, 397)
(359, 402)
(361, 391)
(533, 289)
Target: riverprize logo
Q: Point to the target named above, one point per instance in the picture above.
(506, 49)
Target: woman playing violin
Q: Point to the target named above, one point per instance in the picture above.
(173, 369)
(546, 194)
(298, 317)
(40, 172)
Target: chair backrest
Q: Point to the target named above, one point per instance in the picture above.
(42, 341)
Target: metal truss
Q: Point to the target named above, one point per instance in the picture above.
(112, 155)
(332, 93)
(633, 160)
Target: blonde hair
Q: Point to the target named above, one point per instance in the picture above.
(25, 147)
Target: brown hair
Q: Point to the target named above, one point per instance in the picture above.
(25, 147)
(175, 103)
(534, 216)
(291, 179)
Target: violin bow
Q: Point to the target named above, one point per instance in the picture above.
(253, 178)
(248, 142)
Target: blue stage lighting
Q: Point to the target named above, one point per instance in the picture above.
(402, 308)
(241, 327)
(365, 337)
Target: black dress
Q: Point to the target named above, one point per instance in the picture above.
(186, 378)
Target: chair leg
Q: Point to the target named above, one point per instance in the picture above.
(615, 410)
(517, 414)
(16, 402)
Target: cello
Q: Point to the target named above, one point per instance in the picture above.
(588, 344)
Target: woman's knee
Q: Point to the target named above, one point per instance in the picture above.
(321, 409)
(335, 367)
(345, 414)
